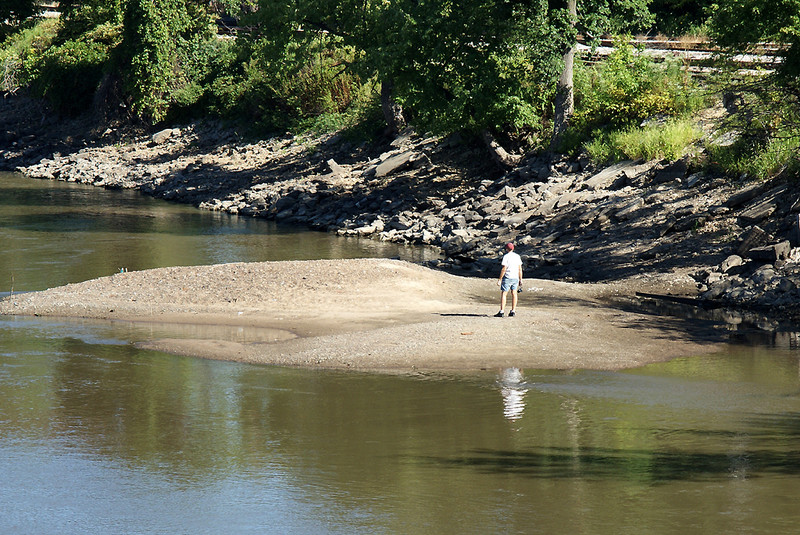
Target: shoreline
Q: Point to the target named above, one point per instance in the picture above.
(571, 220)
(376, 314)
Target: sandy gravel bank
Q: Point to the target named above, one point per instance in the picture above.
(381, 314)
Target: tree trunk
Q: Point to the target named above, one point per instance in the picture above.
(500, 154)
(392, 111)
(564, 105)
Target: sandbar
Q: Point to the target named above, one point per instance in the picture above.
(381, 314)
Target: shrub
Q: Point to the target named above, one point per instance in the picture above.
(292, 89)
(766, 126)
(627, 88)
(68, 75)
(20, 51)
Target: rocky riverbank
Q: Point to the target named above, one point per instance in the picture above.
(571, 220)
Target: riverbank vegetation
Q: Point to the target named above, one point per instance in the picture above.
(496, 71)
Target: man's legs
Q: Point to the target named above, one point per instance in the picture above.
(503, 296)
(513, 300)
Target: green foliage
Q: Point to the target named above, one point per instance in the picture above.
(489, 65)
(472, 65)
(68, 74)
(681, 17)
(766, 129)
(662, 141)
(20, 52)
(743, 24)
(768, 118)
(359, 120)
(629, 87)
(155, 31)
(322, 85)
(13, 13)
(79, 17)
(760, 160)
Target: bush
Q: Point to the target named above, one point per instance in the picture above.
(205, 66)
(627, 88)
(20, 51)
(68, 75)
(765, 127)
(300, 90)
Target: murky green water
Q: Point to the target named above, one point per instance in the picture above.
(97, 436)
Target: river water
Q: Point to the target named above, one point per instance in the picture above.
(97, 436)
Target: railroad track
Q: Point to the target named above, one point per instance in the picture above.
(701, 56)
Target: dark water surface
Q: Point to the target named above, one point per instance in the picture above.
(97, 436)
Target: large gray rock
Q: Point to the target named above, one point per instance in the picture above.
(745, 195)
(672, 172)
(394, 163)
(731, 262)
(752, 237)
(770, 253)
(336, 169)
(160, 137)
(607, 176)
(626, 211)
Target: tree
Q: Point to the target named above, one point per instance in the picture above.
(481, 66)
(13, 12)
(742, 25)
(564, 103)
(154, 31)
(485, 66)
(679, 17)
(765, 109)
(591, 18)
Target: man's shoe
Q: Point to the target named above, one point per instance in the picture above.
(499, 314)
(512, 314)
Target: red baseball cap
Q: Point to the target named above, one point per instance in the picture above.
(510, 246)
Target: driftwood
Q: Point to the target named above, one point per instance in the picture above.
(501, 156)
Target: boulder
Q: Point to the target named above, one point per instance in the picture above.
(626, 211)
(516, 220)
(160, 137)
(752, 237)
(770, 253)
(672, 172)
(757, 213)
(399, 222)
(457, 245)
(607, 176)
(459, 221)
(394, 163)
(336, 169)
(731, 262)
(745, 195)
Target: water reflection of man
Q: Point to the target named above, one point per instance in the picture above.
(513, 395)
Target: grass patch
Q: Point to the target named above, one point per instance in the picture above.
(763, 160)
(667, 141)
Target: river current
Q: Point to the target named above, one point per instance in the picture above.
(97, 436)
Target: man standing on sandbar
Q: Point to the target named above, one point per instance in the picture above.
(510, 280)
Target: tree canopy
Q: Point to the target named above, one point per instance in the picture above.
(743, 24)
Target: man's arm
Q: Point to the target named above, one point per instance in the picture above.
(502, 274)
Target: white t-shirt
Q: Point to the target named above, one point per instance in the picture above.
(512, 261)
